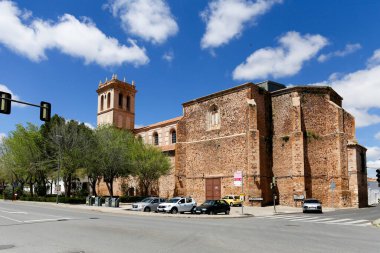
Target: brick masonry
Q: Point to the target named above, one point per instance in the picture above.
(300, 135)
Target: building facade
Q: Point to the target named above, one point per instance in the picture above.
(289, 142)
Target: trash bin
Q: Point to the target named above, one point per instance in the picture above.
(108, 202)
(98, 201)
(90, 200)
(115, 202)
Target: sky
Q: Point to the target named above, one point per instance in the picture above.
(179, 50)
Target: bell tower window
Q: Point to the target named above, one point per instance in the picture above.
(128, 103)
(108, 100)
(101, 102)
(120, 100)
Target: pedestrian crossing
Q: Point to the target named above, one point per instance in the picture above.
(319, 219)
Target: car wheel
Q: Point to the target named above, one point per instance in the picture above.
(147, 209)
(193, 210)
(304, 211)
(227, 212)
(231, 204)
(174, 210)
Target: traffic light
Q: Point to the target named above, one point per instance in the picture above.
(378, 177)
(45, 111)
(5, 102)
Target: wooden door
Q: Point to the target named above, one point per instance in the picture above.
(213, 190)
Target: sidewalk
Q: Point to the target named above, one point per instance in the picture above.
(236, 212)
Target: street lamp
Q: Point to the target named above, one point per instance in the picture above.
(58, 187)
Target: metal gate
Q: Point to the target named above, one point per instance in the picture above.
(213, 190)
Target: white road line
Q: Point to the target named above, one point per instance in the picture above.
(356, 221)
(318, 220)
(15, 212)
(43, 220)
(304, 219)
(10, 219)
(364, 225)
(336, 221)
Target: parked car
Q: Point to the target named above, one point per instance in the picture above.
(312, 205)
(213, 207)
(178, 204)
(148, 204)
(233, 200)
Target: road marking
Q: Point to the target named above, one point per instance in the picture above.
(10, 219)
(356, 221)
(14, 212)
(336, 221)
(44, 220)
(304, 219)
(319, 220)
(364, 225)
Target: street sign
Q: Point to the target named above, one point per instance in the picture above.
(238, 177)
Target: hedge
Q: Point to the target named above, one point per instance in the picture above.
(61, 199)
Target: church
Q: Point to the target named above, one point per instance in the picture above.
(289, 142)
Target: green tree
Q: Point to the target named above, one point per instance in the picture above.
(68, 141)
(151, 164)
(115, 152)
(22, 155)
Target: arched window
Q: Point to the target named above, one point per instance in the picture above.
(155, 138)
(101, 102)
(120, 100)
(108, 100)
(214, 117)
(173, 135)
(128, 103)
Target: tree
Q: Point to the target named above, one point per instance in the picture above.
(22, 155)
(151, 164)
(115, 152)
(68, 141)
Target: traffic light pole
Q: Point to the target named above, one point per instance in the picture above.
(5, 106)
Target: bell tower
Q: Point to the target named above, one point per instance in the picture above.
(116, 103)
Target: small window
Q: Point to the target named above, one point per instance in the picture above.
(108, 100)
(155, 139)
(120, 100)
(102, 103)
(214, 117)
(182, 201)
(128, 103)
(189, 200)
(173, 134)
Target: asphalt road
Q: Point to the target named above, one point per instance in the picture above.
(31, 227)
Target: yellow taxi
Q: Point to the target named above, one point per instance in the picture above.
(233, 200)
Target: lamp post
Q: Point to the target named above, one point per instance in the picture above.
(58, 185)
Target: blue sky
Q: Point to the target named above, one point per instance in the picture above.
(178, 50)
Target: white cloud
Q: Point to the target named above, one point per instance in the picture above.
(69, 35)
(150, 20)
(14, 96)
(225, 19)
(360, 91)
(168, 56)
(89, 125)
(373, 157)
(282, 61)
(375, 59)
(349, 49)
(377, 136)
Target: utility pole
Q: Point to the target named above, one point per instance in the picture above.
(58, 185)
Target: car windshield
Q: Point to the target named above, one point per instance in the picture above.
(147, 200)
(313, 201)
(175, 200)
(227, 197)
(208, 203)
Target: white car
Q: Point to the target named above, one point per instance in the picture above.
(177, 205)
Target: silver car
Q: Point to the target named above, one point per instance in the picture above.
(312, 205)
(148, 204)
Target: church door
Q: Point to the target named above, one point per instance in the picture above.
(213, 190)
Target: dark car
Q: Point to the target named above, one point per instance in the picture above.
(213, 207)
